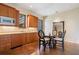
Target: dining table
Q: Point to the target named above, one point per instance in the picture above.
(51, 41)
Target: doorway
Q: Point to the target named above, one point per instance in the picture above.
(40, 24)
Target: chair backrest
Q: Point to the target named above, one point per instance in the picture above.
(54, 33)
(61, 35)
(41, 34)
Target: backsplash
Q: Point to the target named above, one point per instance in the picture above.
(4, 29)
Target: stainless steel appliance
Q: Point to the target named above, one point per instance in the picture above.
(7, 20)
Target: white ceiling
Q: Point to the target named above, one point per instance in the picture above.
(45, 9)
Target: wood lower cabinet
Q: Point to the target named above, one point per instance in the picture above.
(31, 37)
(13, 41)
(5, 42)
(17, 40)
(35, 36)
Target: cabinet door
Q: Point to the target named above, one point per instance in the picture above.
(3, 10)
(22, 38)
(17, 18)
(16, 40)
(35, 37)
(28, 38)
(5, 42)
(31, 37)
(13, 13)
(33, 21)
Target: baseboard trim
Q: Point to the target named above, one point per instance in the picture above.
(72, 42)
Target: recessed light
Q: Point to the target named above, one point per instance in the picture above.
(30, 6)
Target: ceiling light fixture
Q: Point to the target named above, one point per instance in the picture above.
(56, 18)
(30, 6)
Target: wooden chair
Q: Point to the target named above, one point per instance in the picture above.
(59, 40)
(43, 40)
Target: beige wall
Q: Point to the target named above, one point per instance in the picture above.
(71, 19)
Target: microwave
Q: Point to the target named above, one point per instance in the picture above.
(7, 20)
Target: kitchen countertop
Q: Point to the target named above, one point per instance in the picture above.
(5, 33)
(19, 31)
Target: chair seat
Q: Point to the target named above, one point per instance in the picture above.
(46, 39)
(59, 39)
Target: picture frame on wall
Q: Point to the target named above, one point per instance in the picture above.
(58, 26)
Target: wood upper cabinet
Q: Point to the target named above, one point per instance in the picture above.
(8, 11)
(12, 12)
(17, 17)
(32, 21)
(3, 10)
